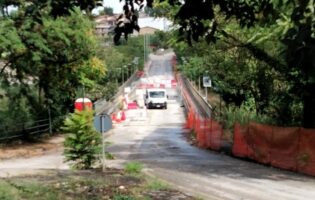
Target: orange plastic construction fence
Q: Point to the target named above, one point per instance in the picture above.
(286, 148)
(214, 134)
(208, 132)
(306, 154)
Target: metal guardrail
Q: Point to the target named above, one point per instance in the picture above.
(25, 129)
(202, 106)
(107, 107)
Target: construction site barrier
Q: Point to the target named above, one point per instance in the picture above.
(290, 148)
(306, 155)
(208, 131)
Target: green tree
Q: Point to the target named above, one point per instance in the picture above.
(108, 11)
(295, 19)
(57, 55)
(83, 142)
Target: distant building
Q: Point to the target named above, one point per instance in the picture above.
(105, 24)
(147, 30)
(149, 25)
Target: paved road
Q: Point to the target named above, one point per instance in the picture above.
(158, 142)
(52, 159)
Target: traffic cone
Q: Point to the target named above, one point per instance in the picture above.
(113, 117)
(118, 117)
(123, 116)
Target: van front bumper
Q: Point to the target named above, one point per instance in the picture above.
(157, 105)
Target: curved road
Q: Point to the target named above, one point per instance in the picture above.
(159, 143)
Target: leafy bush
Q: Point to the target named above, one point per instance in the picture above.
(157, 185)
(133, 167)
(243, 115)
(83, 143)
(123, 197)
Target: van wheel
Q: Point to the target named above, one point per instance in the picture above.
(165, 106)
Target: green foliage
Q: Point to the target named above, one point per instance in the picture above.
(133, 167)
(123, 197)
(108, 11)
(160, 39)
(6, 193)
(57, 8)
(82, 143)
(157, 185)
(14, 108)
(52, 56)
(239, 77)
(287, 27)
(120, 65)
(244, 114)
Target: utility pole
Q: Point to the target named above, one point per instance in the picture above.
(144, 47)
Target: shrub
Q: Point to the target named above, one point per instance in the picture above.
(133, 167)
(157, 185)
(243, 115)
(123, 197)
(83, 142)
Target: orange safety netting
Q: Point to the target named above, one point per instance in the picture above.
(286, 148)
(240, 146)
(214, 134)
(290, 148)
(200, 131)
(306, 154)
(208, 132)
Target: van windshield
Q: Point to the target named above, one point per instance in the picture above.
(157, 94)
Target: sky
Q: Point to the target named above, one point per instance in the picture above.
(115, 4)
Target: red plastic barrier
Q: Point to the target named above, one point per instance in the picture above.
(284, 148)
(216, 132)
(173, 83)
(259, 138)
(190, 120)
(123, 116)
(150, 86)
(202, 142)
(132, 106)
(208, 132)
(140, 73)
(116, 119)
(306, 154)
(196, 128)
(240, 146)
(142, 86)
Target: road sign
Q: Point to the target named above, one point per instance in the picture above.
(103, 123)
(206, 81)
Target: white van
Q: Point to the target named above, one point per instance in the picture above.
(156, 98)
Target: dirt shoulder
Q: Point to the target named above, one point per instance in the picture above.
(30, 149)
(88, 184)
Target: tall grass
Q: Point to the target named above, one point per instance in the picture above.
(242, 115)
(133, 167)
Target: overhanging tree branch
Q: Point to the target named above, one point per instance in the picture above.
(3, 68)
(257, 52)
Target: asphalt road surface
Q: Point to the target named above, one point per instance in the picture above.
(159, 143)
